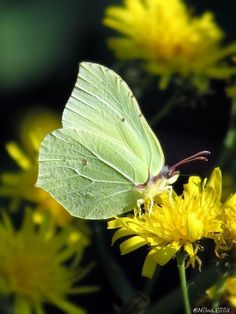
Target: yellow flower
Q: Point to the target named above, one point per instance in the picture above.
(33, 269)
(231, 91)
(229, 220)
(169, 39)
(227, 291)
(179, 222)
(20, 185)
(230, 288)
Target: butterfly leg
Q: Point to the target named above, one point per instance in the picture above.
(168, 189)
(140, 202)
(150, 204)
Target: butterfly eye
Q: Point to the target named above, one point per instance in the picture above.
(170, 173)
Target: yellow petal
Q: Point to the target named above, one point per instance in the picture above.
(189, 249)
(231, 201)
(121, 233)
(132, 244)
(17, 154)
(164, 254)
(232, 300)
(149, 264)
(193, 185)
(114, 223)
(194, 227)
(215, 181)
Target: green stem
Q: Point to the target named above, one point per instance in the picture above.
(183, 282)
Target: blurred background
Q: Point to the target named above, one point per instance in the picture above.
(41, 44)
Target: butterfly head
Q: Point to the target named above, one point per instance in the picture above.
(171, 173)
(168, 174)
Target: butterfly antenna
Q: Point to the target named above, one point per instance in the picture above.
(199, 156)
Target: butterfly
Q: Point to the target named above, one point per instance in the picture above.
(105, 159)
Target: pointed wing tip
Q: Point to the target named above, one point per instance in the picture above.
(88, 64)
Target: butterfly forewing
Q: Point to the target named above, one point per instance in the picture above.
(102, 102)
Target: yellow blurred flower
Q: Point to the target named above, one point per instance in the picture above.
(230, 289)
(19, 185)
(169, 39)
(227, 291)
(231, 91)
(229, 219)
(33, 269)
(178, 222)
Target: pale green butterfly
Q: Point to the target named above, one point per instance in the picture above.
(106, 159)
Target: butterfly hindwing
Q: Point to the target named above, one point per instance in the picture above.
(77, 169)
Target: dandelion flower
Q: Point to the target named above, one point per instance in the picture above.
(20, 185)
(33, 270)
(230, 289)
(227, 291)
(231, 91)
(229, 222)
(179, 222)
(169, 39)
